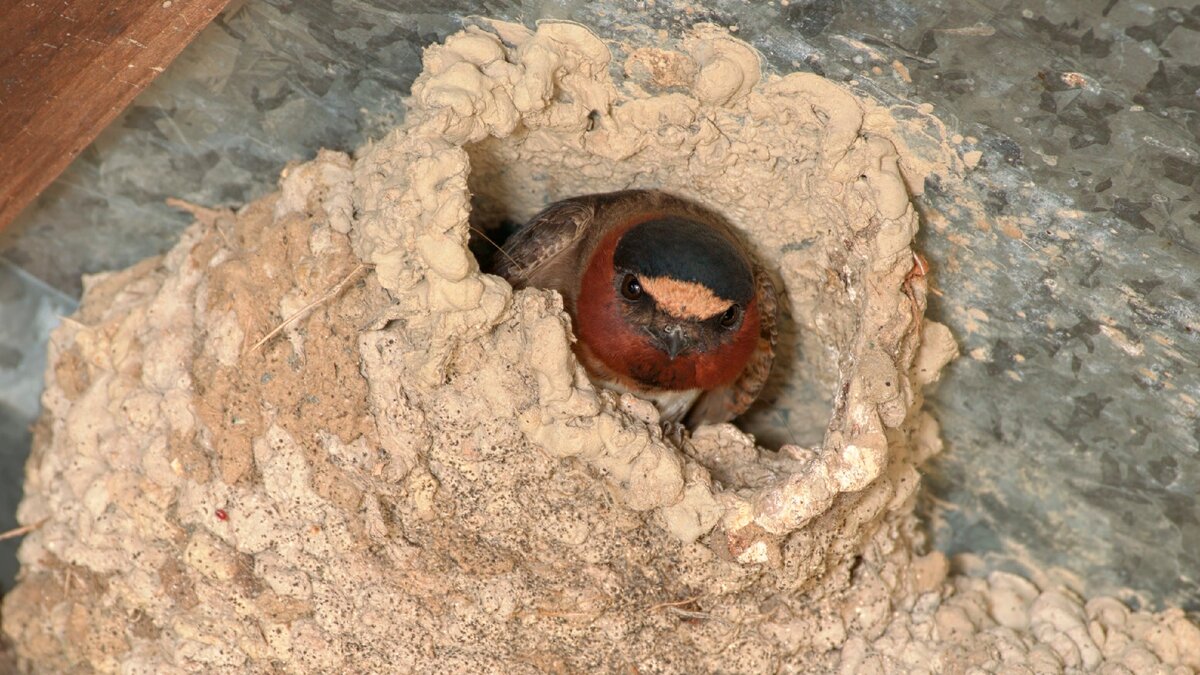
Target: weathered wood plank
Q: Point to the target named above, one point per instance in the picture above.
(68, 68)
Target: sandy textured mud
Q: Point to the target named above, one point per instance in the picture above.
(414, 474)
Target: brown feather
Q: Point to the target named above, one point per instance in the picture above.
(551, 233)
(725, 403)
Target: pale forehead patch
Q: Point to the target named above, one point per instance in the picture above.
(684, 299)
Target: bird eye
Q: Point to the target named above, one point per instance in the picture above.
(631, 288)
(729, 319)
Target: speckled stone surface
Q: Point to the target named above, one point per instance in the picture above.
(1072, 424)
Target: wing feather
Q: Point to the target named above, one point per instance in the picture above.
(548, 234)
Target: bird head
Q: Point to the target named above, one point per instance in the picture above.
(669, 301)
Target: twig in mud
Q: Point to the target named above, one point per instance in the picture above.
(23, 530)
(676, 607)
(298, 314)
(674, 603)
(543, 613)
(699, 616)
(205, 215)
(499, 248)
(198, 212)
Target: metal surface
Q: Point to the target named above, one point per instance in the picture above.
(1071, 422)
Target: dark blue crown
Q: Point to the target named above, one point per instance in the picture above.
(686, 250)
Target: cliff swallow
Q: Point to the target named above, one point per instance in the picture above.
(665, 301)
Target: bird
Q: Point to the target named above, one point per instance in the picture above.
(666, 302)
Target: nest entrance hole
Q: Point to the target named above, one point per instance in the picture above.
(509, 184)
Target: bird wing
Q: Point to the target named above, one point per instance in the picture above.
(725, 403)
(554, 230)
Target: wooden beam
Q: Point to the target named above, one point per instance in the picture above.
(68, 68)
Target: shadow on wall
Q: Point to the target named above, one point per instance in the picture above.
(29, 310)
(15, 440)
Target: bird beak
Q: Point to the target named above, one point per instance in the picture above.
(674, 340)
